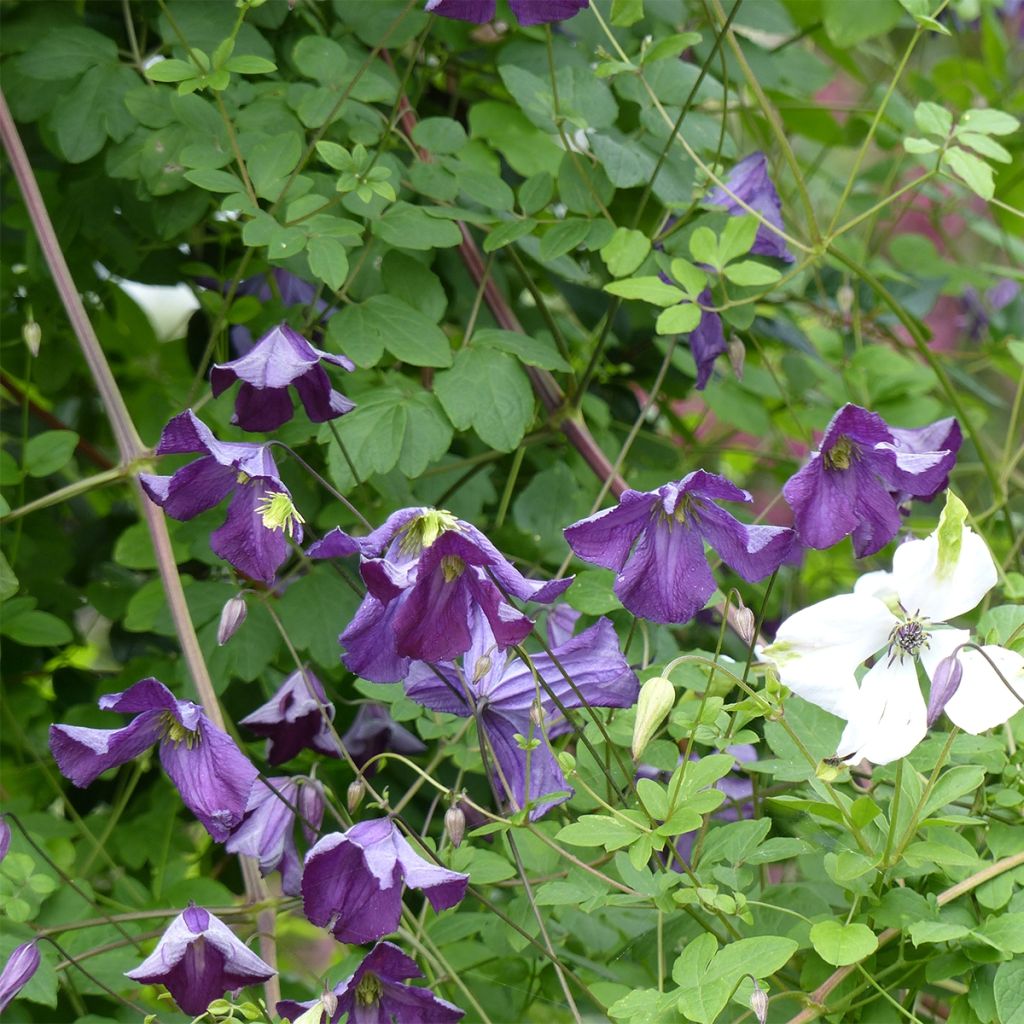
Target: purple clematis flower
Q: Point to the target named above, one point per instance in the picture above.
(425, 572)
(528, 12)
(5, 837)
(296, 717)
(502, 692)
(666, 578)
(377, 994)
(863, 471)
(281, 358)
(373, 731)
(198, 959)
(21, 965)
(212, 775)
(352, 882)
(268, 830)
(261, 516)
(707, 341)
(749, 181)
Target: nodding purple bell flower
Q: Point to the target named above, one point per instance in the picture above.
(198, 959)
(353, 880)
(373, 731)
(212, 775)
(21, 965)
(261, 517)
(282, 358)
(298, 716)
(707, 340)
(267, 832)
(860, 475)
(665, 577)
(502, 693)
(749, 181)
(426, 572)
(527, 12)
(377, 993)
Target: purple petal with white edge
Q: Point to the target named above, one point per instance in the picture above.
(293, 718)
(538, 12)
(984, 700)
(707, 340)
(370, 644)
(752, 551)
(21, 965)
(252, 548)
(150, 694)
(275, 361)
(261, 410)
(195, 488)
(542, 591)
(267, 824)
(667, 579)
(940, 436)
(701, 483)
(83, 754)
(185, 433)
(918, 474)
(443, 888)
(606, 538)
(477, 11)
(212, 775)
(320, 400)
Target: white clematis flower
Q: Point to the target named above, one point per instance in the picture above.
(899, 618)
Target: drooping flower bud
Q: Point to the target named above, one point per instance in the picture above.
(759, 1003)
(329, 1002)
(737, 353)
(455, 825)
(32, 335)
(354, 797)
(231, 618)
(945, 682)
(745, 624)
(656, 700)
(5, 836)
(17, 973)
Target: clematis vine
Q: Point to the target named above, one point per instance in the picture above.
(267, 832)
(527, 12)
(373, 731)
(426, 572)
(517, 714)
(198, 959)
(282, 358)
(261, 517)
(899, 620)
(298, 716)
(665, 577)
(212, 775)
(377, 993)
(352, 882)
(863, 471)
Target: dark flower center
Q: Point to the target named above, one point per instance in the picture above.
(369, 989)
(841, 454)
(908, 638)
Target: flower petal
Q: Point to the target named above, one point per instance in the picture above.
(537, 12)
(243, 540)
(983, 700)
(262, 410)
(83, 754)
(753, 551)
(193, 489)
(477, 11)
(606, 537)
(707, 340)
(443, 888)
(320, 400)
(370, 645)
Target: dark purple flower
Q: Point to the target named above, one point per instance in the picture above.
(425, 572)
(261, 516)
(528, 12)
(503, 693)
(17, 973)
(855, 482)
(281, 358)
(377, 994)
(352, 882)
(749, 181)
(212, 775)
(666, 577)
(707, 341)
(296, 717)
(373, 731)
(5, 837)
(268, 830)
(198, 959)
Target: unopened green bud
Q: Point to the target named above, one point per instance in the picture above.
(354, 797)
(657, 698)
(32, 334)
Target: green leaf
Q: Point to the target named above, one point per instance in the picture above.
(49, 452)
(66, 52)
(78, 117)
(750, 273)
(671, 46)
(693, 279)
(986, 121)
(625, 251)
(624, 160)
(563, 237)
(37, 629)
(488, 391)
(440, 135)
(271, 162)
(975, 173)
(915, 145)
(654, 798)
(591, 592)
(363, 330)
(932, 119)
(1008, 990)
(925, 21)
(506, 233)
(704, 247)
(985, 145)
(681, 319)
(215, 181)
(627, 12)
(322, 59)
(841, 944)
(328, 259)
(134, 548)
(246, 64)
(599, 830)
(411, 280)
(1005, 932)
(532, 351)
(172, 71)
(535, 193)
(647, 289)
(936, 931)
(737, 237)
(847, 24)
(407, 227)
(950, 534)
(8, 581)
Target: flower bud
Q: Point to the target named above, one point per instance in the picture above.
(231, 618)
(745, 624)
(844, 299)
(354, 797)
(17, 973)
(5, 836)
(945, 682)
(32, 335)
(455, 825)
(737, 353)
(329, 1002)
(656, 700)
(537, 715)
(759, 1003)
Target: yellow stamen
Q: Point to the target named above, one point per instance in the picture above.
(278, 512)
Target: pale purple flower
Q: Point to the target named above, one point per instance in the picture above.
(527, 12)
(502, 692)
(21, 965)
(212, 775)
(377, 993)
(352, 883)
(373, 731)
(425, 573)
(280, 359)
(863, 471)
(296, 717)
(261, 516)
(948, 675)
(267, 832)
(665, 577)
(198, 959)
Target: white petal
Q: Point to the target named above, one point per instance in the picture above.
(943, 597)
(983, 701)
(877, 584)
(942, 643)
(889, 717)
(817, 650)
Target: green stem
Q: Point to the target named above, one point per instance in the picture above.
(70, 491)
